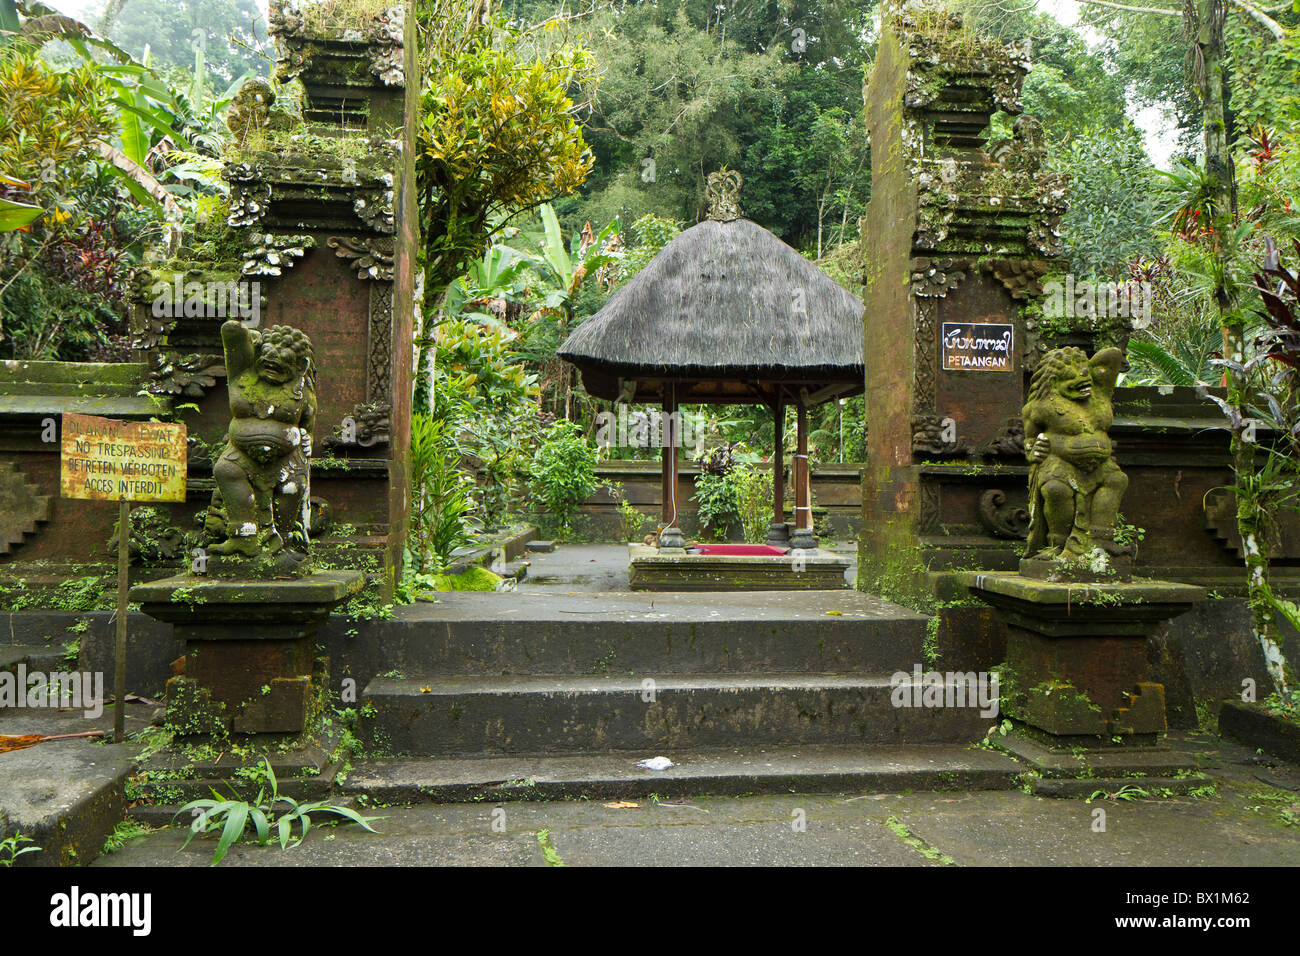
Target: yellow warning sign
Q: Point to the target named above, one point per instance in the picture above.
(110, 460)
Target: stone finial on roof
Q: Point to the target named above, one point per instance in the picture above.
(723, 194)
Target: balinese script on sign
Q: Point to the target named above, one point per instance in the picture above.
(110, 460)
(978, 347)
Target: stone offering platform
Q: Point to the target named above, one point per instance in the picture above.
(655, 569)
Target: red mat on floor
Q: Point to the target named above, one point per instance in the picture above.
(741, 549)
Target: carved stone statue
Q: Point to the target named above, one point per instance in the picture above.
(251, 110)
(1075, 485)
(262, 474)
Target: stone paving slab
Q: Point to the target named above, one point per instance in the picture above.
(983, 829)
(770, 843)
(65, 795)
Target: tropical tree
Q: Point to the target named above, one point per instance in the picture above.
(498, 135)
(1113, 211)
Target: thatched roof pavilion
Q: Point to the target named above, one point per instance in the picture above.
(726, 313)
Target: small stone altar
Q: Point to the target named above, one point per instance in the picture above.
(249, 615)
(662, 569)
(1077, 678)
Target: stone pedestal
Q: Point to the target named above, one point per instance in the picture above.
(778, 534)
(250, 650)
(1077, 679)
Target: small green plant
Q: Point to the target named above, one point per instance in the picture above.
(716, 505)
(440, 496)
(631, 522)
(1286, 706)
(1129, 534)
(1128, 793)
(11, 848)
(1001, 729)
(754, 497)
(232, 817)
(124, 833)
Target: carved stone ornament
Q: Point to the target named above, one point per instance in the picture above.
(938, 277)
(249, 202)
(722, 191)
(1002, 518)
(1022, 278)
(1010, 441)
(935, 437)
(367, 426)
(189, 375)
(251, 110)
(385, 36)
(374, 207)
(371, 256)
(286, 17)
(271, 255)
(1009, 77)
(1026, 151)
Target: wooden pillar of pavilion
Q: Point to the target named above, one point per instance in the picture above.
(802, 537)
(671, 534)
(778, 532)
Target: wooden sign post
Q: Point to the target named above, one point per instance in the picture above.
(109, 460)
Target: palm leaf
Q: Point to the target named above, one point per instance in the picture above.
(261, 824)
(139, 181)
(1167, 367)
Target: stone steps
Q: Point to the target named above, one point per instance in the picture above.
(670, 714)
(65, 795)
(747, 691)
(46, 658)
(735, 772)
(526, 632)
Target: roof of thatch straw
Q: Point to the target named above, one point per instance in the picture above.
(724, 300)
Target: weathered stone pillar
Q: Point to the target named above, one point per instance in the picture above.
(955, 239)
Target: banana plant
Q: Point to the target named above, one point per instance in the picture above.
(492, 281)
(565, 269)
(154, 118)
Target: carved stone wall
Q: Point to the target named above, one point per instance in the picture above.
(321, 240)
(957, 238)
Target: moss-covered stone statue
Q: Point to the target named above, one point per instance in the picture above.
(261, 503)
(1075, 484)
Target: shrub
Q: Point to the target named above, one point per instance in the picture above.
(440, 496)
(564, 472)
(717, 508)
(754, 494)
